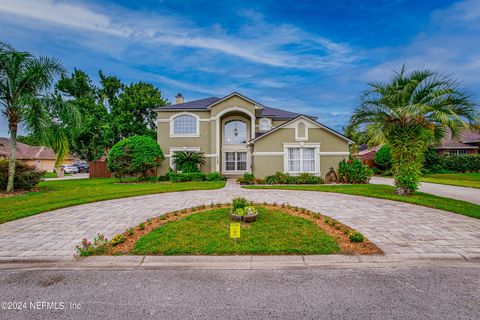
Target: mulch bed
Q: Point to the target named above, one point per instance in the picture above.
(337, 230)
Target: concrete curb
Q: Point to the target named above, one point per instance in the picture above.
(246, 262)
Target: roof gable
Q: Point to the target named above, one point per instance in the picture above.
(236, 94)
(305, 118)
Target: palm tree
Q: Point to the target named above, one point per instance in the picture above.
(24, 80)
(357, 136)
(188, 161)
(409, 113)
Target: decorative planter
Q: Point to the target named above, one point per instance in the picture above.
(246, 219)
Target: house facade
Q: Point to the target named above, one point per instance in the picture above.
(466, 143)
(41, 157)
(238, 135)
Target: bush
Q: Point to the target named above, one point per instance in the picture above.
(354, 171)
(462, 163)
(214, 176)
(356, 236)
(163, 178)
(307, 178)
(26, 177)
(188, 161)
(434, 163)
(240, 203)
(119, 238)
(247, 178)
(134, 156)
(186, 177)
(383, 157)
(285, 178)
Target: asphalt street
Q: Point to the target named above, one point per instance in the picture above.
(433, 292)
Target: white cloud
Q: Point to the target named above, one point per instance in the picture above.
(266, 45)
(448, 45)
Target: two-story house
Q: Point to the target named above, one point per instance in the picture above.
(238, 135)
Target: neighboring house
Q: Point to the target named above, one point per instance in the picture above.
(43, 158)
(367, 155)
(238, 135)
(467, 142)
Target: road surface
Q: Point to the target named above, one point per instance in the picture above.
(403, 292)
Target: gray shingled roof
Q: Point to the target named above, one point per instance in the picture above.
(204, 103)
(194, 104)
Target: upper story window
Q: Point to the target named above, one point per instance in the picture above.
(185, 125)
(264, 124)
(235, 132)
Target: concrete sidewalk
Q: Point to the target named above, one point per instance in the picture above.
(454, 192)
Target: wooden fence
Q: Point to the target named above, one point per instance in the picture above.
(99, 169)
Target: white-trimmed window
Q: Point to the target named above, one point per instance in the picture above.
(265, 124)
(235, 161)
(184, 125)
(300, 160)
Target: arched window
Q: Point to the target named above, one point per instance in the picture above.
(185, 125)
(235, 132)
(264, 124)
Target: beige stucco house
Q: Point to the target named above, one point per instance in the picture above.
(41, 157)
(238, 135)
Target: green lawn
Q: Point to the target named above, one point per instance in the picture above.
(471, 179)
(386, 192)
(65, 193)
(207, 233)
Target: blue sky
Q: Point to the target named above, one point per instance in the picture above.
(313, 57)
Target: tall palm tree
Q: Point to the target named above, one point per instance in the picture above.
(24, 80)
(411, 111)
(188, 161)
(357, 136)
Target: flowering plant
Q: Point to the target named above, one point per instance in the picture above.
(86, 248)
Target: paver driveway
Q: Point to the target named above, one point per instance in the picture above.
(395, 227)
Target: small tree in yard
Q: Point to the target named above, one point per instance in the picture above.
(134, 156)
(409, 113)
(383, 157)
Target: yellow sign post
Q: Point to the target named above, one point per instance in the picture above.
(235, 231)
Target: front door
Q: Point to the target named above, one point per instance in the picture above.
(235, 162)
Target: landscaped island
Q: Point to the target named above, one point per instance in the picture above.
(202, 230)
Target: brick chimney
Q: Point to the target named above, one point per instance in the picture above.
(178, 98)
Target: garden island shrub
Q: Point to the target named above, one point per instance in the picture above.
(26, 177)
(134, 156)
(119, 238)
(240, 203)
(285, 178)
(354, 171)
(356, 236)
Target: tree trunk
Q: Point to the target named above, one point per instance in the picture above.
(13, 156)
